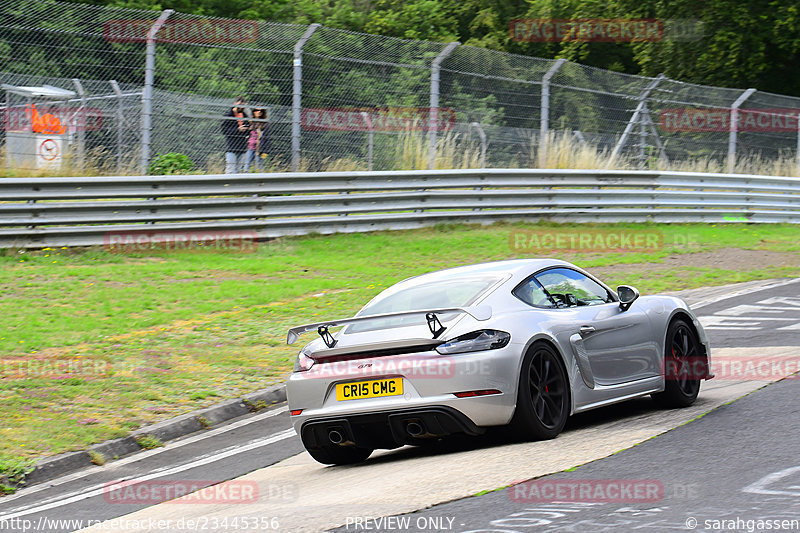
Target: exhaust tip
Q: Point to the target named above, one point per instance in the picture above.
(335, 437)
(415, 429)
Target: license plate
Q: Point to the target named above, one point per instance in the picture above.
(369, 389)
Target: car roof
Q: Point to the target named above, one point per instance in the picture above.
(515, 267)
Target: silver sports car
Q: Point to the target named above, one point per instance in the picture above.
(523, 342)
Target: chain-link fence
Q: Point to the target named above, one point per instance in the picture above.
(155, 83)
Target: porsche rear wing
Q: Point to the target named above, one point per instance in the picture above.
(481, 312)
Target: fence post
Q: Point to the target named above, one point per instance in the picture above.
(433, 112)
(798, 144)
(147, 94)
(544, 121)
(297, 93)
(635, 117)
(370, 138)
(81, 130)
(120, 121)
(734, 127)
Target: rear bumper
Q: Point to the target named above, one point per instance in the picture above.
(387, 429)
(429, 380)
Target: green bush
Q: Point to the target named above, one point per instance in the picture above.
(172, 163)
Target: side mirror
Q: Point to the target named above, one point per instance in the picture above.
(627, 295)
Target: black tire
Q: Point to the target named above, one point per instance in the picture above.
(542, 396)
(682, 355)
(339, 455)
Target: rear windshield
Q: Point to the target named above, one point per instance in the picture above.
(458, 292)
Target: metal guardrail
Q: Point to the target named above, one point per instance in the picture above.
(41, 212)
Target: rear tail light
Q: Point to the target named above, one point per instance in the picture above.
(303, 362)
(295, 412)
(477, 341)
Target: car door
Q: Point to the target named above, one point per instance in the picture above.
(611, 346)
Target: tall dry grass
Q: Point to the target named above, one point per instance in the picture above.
(564, 151)
(412, 152)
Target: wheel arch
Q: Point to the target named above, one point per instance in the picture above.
(682, 314)
(702, 341)
(565, 362)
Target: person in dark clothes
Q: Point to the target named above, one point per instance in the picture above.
(236, 133)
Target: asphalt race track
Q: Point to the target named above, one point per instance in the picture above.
(695, 484)
(740, 461)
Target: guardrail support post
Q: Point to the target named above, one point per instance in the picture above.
(635, 117)
(147, 94)
(433, 112)
(544, 120)
(297, 93)
(734, 128)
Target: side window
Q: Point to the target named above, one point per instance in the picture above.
(568, 288)
(532, 293)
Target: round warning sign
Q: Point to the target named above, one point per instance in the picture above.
(48, 150)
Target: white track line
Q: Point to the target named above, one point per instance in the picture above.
(98, 490)
(743, 292)
(138, 456)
